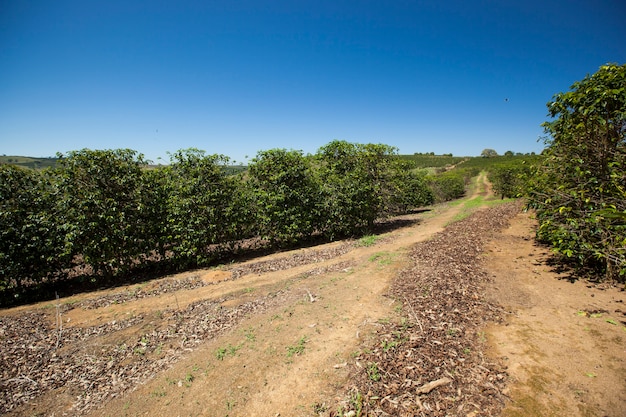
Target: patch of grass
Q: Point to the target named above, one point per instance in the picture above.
(229, 350)
(189, 379)
(157, 393)
(230, 404)
(356, 405)
(297, 349)
(373, 372)
(249, 334)
(452, 332)
(470, 206)
(369, 240)
(382, 258)
(387, 345)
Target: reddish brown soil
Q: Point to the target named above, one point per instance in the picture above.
(338, 329)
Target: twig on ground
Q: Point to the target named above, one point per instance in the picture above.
(426, 388)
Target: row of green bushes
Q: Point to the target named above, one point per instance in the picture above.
(511, 176)
(104, 213)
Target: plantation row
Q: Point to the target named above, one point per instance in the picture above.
(104, 213)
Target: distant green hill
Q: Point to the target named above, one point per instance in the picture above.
(41, 163)
(432, 160)
(28, 161)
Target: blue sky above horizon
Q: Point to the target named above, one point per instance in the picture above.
(235, 77)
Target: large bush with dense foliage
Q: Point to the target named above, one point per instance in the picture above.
(451, 184)
(580, 192)
(203, 211)
(32, 231)
(511, 175)
(100, 205)
(350, 178)
(284, 196)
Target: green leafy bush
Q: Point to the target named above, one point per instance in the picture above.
(580, 191)
(351, 179)
(32, 245)
(510, 178)
(201, 207)
(447, 186)
(284, 196)
(100, 205)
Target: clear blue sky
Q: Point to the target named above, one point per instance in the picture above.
(235, 76)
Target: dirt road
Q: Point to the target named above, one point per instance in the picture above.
(287, 335)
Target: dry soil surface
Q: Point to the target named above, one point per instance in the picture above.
(563, 340)
(438, 316)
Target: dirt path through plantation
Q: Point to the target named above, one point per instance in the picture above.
(277, 335)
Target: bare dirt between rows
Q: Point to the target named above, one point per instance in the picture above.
(432, 318)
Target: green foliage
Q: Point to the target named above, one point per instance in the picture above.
(430, 160)
(358, 183)
(510, 177)
(201, 207)
(449, 185)
(348, 203)
(106, 213)
(31, 243)
(406, 188)
(580, 191)
(284, 196)
(488, 153)
(100, 207)
(29, 162)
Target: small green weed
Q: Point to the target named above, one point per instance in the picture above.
(189, 378)
(387, 345)
(158, 393)
(356, 403)
(230, 404)
(382, 258)
(249, 333)
(297, 349)
(231, 350)
(373, 372)
(369, 240)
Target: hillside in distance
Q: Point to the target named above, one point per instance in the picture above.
(29, 161)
